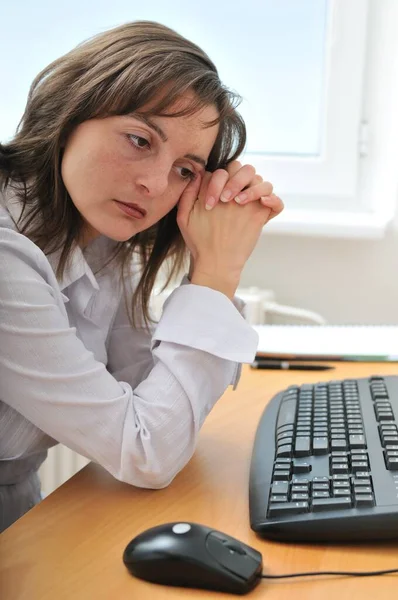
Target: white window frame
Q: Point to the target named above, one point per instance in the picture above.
(350, 190)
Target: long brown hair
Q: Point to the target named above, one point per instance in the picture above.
(113, 73)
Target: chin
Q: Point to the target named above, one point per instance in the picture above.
(120, 233)
(120, 236)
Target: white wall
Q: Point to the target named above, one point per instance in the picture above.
(346, 281)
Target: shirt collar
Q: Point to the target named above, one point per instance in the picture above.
(77, 268)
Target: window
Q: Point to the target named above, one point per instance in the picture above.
(298, 64)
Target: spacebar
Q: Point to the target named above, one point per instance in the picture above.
(287, 413)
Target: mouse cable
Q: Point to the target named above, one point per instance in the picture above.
(342, 573)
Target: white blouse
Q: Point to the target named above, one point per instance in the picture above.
(73, 370)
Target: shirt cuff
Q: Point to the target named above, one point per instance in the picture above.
(236, 301)
(200, 317)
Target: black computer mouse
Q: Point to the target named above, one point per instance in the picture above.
(196, 556)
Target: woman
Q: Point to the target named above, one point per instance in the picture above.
(126, 145)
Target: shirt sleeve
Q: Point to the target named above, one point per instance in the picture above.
(142, 435)
(125, 342)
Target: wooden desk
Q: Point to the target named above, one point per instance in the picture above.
(70, 546)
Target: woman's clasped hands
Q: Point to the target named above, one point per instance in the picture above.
(221, 216)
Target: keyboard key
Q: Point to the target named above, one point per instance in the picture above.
(287, 508)
(299, 496)
(385, 416)
(320, 487)
(343, 492)
(301, 467)
(302, 446)
(284, 451)
(392, 463)
(364, 500)
(362, 482)
(282, 467)
(280, 487)
(388, 443)
(323, 494)
(338, 460)
(320, 445)
(357, 441)
(281, 476)
(338, 444)
(285, 442)
(341, 478)
(339, 468)
(362, 489)
(303, 431)
(299, 488)
(321, 504)
(359, 465)
(340, 484)
(283, 435)
(285, 429)
(287, 412)
(277, 498)
(300, 481)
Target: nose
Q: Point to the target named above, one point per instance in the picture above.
(153, 180)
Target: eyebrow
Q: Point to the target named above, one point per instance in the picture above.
(201, 161)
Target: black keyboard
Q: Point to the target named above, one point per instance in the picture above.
(325, 462)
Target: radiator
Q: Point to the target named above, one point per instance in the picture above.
(60, 464)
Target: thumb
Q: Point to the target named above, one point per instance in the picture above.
(188, 199)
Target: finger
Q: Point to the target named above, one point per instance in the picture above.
(216, 185)
(274, 203)
(233, 167)
(256, 179)
(237, 182)
(267, 215)
(188, 199)
(254, 192)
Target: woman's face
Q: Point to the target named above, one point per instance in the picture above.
(111, 163)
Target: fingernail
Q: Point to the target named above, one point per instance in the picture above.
(210, 202)
(225, 196)
(240, 198)
(265, 199)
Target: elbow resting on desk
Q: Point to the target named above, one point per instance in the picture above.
(154, 468)
(153, 452)
(160, 431)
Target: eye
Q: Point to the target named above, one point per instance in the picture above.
(186, 173)
(138, 142)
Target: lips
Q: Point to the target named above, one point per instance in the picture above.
(132, 210)
(135, 206)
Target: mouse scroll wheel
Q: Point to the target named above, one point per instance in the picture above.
(234, 547)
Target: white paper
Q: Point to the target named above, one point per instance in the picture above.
(351, 342)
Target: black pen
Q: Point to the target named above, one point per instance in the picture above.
(271, 364)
